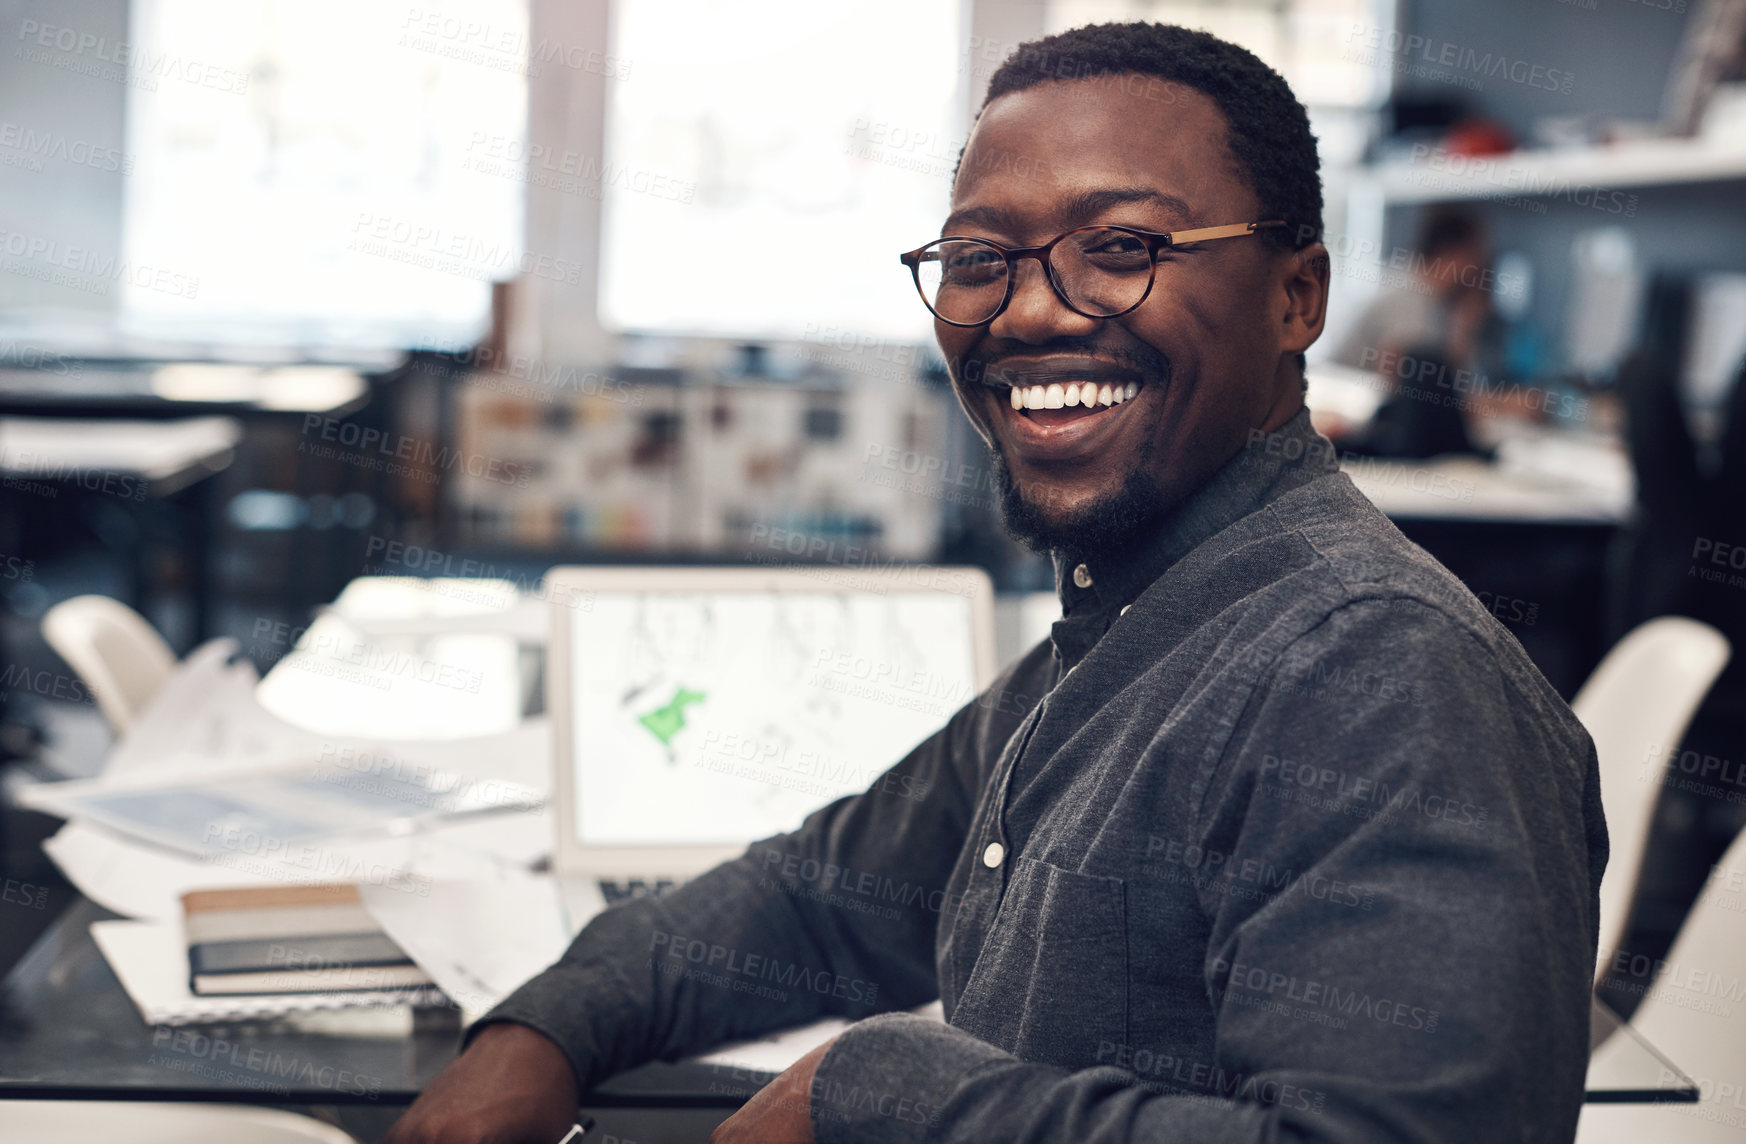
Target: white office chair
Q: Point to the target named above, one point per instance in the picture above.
(120, 657)
(1693, 1015)
(140, 1122)
(1636, 706)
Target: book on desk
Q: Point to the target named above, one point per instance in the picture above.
(290, 939)
(260, 953)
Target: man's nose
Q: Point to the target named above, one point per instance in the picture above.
(1036, 314)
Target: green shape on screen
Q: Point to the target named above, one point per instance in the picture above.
(665, 721)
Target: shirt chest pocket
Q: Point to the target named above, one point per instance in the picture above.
(1050, 983)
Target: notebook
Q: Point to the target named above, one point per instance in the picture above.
(290, 939)
(152, 965)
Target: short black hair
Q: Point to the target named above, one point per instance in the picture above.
(1269, 133)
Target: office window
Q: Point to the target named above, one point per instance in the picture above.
(321, 171)
(1317, 45)
(762, 174)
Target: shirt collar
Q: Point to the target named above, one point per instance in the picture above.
(1093, 590)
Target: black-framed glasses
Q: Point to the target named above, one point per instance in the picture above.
(1097, 271)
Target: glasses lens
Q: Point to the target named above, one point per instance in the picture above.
(1102, 271)
(962, 280)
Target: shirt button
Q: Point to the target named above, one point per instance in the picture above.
(1082, 576)
(993, 855)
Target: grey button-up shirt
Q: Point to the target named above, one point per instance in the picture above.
(1280, 835)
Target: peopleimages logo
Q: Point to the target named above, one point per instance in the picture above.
(38, 145)
(1207, 1077)
(1507, 173)
(15, 677)
(569, 171)
(24, 355)
(1445, 60)
(1362, 796)
(672, 952)
(431, 247)
(1234, 876)
(88, 270)
(388, 448)
(215, 1058)
(1319, 997)
(87, 53)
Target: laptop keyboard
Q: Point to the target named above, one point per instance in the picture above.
(616, 892)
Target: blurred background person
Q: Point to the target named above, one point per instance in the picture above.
(1425, 325)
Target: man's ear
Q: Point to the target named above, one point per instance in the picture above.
(1305, 297)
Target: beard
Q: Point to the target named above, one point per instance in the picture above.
(1105, 525)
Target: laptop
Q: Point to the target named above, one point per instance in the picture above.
(697, 710)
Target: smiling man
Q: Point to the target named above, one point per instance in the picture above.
(1279, 836)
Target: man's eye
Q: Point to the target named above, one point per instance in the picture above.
(1116, 252)
(1119, 244)
(973, 265)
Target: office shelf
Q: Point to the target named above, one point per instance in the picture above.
(1577, 172)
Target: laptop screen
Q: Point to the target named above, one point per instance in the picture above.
(725, 717)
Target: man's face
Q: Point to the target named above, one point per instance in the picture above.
(1208, 351)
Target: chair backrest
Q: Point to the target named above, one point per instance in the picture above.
(1694, 1010)
(1636, 707)
(1692, 1015)
(120, 657)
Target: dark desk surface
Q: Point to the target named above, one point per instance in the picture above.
(68, 1031)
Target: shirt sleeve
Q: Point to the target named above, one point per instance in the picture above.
(1385, 751)
(836, 918)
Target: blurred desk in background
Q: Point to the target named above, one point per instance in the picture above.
(124, 465)
(1540, 479)
(1530, 533)
(284, 411)
(158, 458)
(176, 390)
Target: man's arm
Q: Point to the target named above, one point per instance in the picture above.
(1455, 1007)
(835, 918)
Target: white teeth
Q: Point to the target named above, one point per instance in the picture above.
(1072, 394)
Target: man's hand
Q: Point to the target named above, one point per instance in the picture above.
(511, 1086)
(781, 1113)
